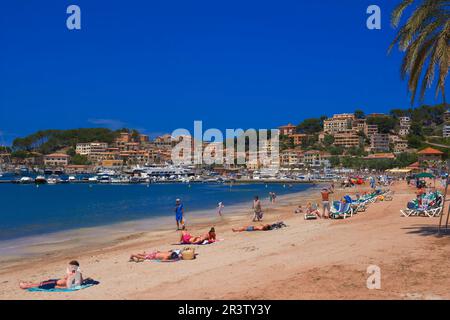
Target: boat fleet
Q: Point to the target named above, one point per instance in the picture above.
(169, 173)
(145, 174)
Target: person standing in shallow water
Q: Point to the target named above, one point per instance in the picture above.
(220, 207)
(179, 214)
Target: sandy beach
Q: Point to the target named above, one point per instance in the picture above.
(321, 259)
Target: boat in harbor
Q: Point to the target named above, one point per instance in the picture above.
(53, 179)
(163, 171)
(93, 179)
(40, 180)
(25, 180)
(104, 179)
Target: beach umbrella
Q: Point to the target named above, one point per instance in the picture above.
(424, 175)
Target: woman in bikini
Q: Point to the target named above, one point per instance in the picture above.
(155, 255)
(186, 237)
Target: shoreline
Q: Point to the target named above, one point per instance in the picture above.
(35, 246)
(321, 259)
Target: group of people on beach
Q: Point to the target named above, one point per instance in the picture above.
(313, 209)
(74, 277)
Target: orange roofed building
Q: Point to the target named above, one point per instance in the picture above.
(56, 160)
(287, 129)
(388, 155)
(429, 155)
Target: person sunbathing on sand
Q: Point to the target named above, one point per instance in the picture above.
(265, 227)
(186, 237)
(155, 255)
(72, 278)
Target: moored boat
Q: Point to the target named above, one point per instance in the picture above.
(25, 180)
(40, 180)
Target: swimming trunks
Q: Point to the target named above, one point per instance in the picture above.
(250, 228)
(179, 213)
(47, 285)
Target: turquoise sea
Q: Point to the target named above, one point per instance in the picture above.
(28, 210)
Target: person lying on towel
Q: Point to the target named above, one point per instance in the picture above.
(265, 227)
(156, 255)
(187, 238)
(73, 278)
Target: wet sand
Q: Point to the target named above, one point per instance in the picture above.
(321, 259)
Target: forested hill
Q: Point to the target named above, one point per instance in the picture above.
(48, 141)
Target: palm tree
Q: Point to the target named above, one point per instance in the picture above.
(425, 40)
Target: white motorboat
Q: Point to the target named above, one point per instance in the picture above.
(53, 180)
(26, 180)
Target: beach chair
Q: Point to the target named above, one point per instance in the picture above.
(340, 210)
(357, 205)
(432, 206)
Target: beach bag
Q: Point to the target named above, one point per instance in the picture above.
(188, 254)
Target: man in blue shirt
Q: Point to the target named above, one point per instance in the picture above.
(179, 213)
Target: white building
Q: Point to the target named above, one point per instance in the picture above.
(405, 125)
(446, 131)
(86, 149)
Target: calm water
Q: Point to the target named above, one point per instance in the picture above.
(27, 210)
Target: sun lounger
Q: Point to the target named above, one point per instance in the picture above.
(340, 210)
(432, 206)
(357, 205)
(310, 216)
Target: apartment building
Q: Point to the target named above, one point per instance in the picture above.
(143, 138)
(379, 142)
(287, 130)
(86, 149)
(405, 125)
(338, 123)
(163, 142)
(359, 125)
(347, 139)
(291, 157)
(136, 157)
(400, 146)
(446, 131)
(316, 158)
(446, 116)
(298, 138)
(56, 160)
(370, 130)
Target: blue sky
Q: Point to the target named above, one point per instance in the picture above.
(160, 65)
